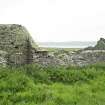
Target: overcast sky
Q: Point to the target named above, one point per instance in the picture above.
(57, 20)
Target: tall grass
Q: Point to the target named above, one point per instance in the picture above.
(36, 85)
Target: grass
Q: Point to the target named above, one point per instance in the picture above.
(36, 85)
(57, 49)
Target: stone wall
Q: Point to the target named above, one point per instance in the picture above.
(88, 57)
(16, 42)
(18, 48)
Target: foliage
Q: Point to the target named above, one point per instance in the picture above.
(60, 49)
(100, 44)
(36, 85)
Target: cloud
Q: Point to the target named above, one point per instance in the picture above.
(57, 20)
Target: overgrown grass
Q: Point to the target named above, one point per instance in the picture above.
(36, 85)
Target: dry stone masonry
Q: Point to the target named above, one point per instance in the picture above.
(89, 55)
(15, 45)
(18, 48)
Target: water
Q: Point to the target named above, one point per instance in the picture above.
(73, 44)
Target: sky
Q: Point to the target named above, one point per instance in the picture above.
(57, 20)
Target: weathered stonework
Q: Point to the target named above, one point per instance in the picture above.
(18, 48)
(16, 42)
(89, 55)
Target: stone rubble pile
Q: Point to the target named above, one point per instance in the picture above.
(18, 48)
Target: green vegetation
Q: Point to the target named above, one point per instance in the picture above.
(59, 49)
(100, 44)
(36, 85)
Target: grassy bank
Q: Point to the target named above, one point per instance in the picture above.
(35, 85)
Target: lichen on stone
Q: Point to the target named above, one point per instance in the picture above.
(13, 40)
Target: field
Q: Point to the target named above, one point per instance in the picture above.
(59, 49)
(36, 85)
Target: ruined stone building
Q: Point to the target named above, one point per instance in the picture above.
(15, 44)
(18, 48)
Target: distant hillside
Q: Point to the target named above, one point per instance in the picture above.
(100, 45)
(71, 44)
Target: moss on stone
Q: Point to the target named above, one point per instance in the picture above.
(13, 40)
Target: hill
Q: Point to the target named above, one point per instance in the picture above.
(100, 45)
